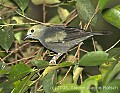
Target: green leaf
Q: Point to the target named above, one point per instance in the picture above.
(40, 63)
(5, 87)
(2, 65)
(114, 52)
(112, 87)
(37, 2)
(76, 73)
(65, 64)
(111, 74)
(49, 81)
(89, 83)
(22, 4)
(4, 69)
(6, 37)
(102, 3)
(83, 88)
(104, 68)
(63, 13)
(67, 88)
(86, 11)
(112, 16)
(22, 86)
(18, 37)
(94, 58)
(18, 71)
(1, 21)
(51, 68)
(55, 19)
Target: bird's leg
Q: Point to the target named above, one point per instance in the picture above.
(53, 60)
(81, 43)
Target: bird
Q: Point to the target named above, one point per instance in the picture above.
(59, 38)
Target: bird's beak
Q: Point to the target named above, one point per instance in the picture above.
(26, 37)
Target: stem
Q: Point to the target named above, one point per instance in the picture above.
(17, 24)
(112, 46)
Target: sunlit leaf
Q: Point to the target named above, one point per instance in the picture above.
(18, 37)
(102, 3)
(104, 68)
(51, 68)
(112, 87)
(6, 37)
(63, 13)
(111, 74)
(89, 84)
(37, 2)
(94, 58)
(18, 19)
(112, 16)
(86, 11)
(76, 73)
(55, 19)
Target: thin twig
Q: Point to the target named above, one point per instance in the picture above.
(96, 11)
(14, 51)
(61, 81)
(62, 58)
(93, 40)
(7, 12)
(83, 50)
(80, 24)
(73, 48)
(94, 43)
(32, 19)
(44, 11)
(112, 46)
(72, 60)
(20, 60)
(70, 17)
(81, 78)
(33, 55)
(7, 6)
(20, 29)
(17, 24)
(28, 18)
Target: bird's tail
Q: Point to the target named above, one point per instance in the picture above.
(101, 33)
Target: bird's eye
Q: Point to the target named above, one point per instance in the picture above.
(32, 31)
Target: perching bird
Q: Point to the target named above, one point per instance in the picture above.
(59, 38)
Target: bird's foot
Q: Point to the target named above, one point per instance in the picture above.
(52, 61)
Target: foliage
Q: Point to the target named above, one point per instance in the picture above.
(24, 66)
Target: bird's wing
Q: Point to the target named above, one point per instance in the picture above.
(75, 33)
(63, 34)
(54, 35)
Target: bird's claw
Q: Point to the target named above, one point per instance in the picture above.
(52, 61)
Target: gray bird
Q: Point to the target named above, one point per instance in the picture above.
(59, 38)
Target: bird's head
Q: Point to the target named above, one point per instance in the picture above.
(35, 32)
